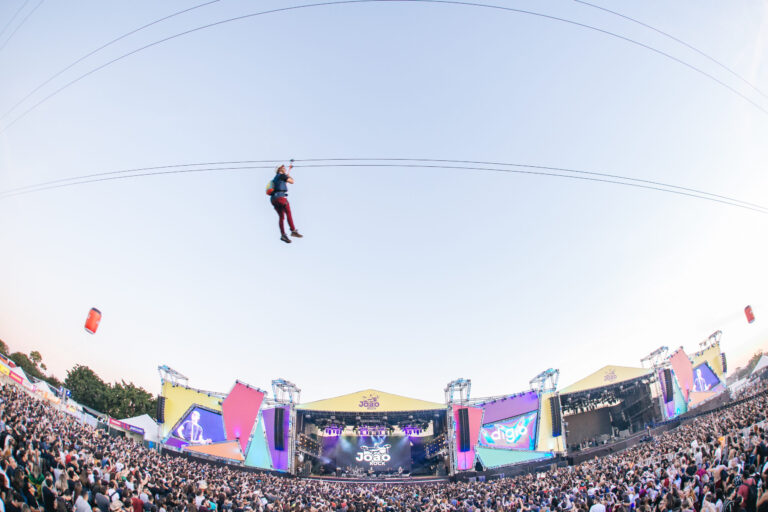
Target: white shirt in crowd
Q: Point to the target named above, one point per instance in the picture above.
(81, 505)
(597, 507)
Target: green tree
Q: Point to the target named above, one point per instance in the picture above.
(119, 400)
(26, 364)
(127, 400)
(4, 348)
(33, 366)
(87, 388)
(53, 381)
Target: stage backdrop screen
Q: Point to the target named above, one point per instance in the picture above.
(199, 426)
(377, 452)
(704, 379)
(515, 433)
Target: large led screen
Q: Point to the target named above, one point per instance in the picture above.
(704, 379)
(510, 407)
(197, 427)
(379, 453)
(515, 433)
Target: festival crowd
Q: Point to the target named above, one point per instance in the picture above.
(49, 462)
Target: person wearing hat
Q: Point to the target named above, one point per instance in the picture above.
(279, 200)
(116, 506)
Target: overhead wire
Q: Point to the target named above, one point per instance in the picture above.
(401, 163)
(44, 185)
(13, 18)
(21, 24)
(677, 40)
(96, 50)
(347, 2)
(125, 171)
(548, 168)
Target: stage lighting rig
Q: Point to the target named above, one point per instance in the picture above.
(460, 387)
(546, 381)
(285, 392)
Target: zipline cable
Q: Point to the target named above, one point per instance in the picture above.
(92, 52)
(125, 171)
(678, 40)
(46, 184)
(347, 2)
(395, 165)
(21, 24)
(13, 18)
(546, 168)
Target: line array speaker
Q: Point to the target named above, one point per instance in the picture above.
(557, 420)
(464, 444)
(279, 434)
(668, 391)
(160, 409)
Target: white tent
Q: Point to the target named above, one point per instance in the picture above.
(148, 424)
(762, 363)
(24, 378)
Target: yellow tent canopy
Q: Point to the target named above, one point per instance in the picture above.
(371, 400)
(606, 376)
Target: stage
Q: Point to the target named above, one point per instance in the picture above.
(416, 480)
(372, 436)
(608, 407)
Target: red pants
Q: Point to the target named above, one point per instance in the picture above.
(283, 208)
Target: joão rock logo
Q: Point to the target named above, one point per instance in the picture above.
(369, 402)
(375, 456)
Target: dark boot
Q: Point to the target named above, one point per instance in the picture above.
(285, 238)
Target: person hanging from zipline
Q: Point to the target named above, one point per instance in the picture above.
(277, 189)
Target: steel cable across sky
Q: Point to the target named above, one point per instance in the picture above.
(383, 163)
(349, 2)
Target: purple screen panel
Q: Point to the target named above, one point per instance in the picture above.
(510, 407)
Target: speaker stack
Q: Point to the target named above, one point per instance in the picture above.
(279, 418)
(464, 443)
(557, 420)
(161, 409)
(668, 391)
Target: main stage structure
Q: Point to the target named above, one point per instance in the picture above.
(375, 434)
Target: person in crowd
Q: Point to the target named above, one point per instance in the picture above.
(712, 463)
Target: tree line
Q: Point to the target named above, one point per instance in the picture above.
(119, 399)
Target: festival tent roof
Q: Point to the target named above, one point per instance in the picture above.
(44, 386)
(147, 423)
(761, 363)
(371, 400)
(606, 376)
(21, 373)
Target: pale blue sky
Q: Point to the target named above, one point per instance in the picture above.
(405, 279)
